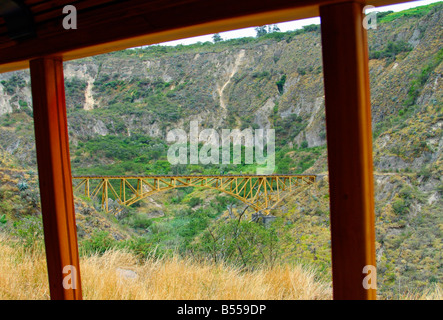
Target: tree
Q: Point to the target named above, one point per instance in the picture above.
(217, 38)
(261, 31)
(244, 243)
(274, 28)
(264, 30)
(281, 83)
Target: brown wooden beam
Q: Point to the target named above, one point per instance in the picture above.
(119, 25)
(349, 142)
(54, 169)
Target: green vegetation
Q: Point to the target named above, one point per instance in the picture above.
(230, 242)
(416, 12)
(420, 80)
(75, 91)
(391, 50)
(13, 83)
(136, 154)
(217, 38)
(280, 83)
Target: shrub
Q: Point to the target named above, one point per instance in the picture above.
(391, 50)
(425, 172)
(141, 221)
(29, 230)
(280, 84)
(242, 243)
(22, 185)
(100, 242)
(301, 71)
(13, 83)
(194, 202)
(400, 206)
(141, 247)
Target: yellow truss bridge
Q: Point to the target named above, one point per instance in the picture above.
(261, 192)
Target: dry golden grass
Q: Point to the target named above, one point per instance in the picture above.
(23, 276)
(176, 279)
(433, 293)
(117, 275)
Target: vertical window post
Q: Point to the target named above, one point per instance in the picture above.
(54, 170)
(349, 141)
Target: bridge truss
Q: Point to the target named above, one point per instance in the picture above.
(261, 192)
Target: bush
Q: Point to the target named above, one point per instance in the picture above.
(100, 242)
(197, 223)
(141, 221)
(420, 79)
(400, 206)
(242, 243)
(13, 83)
(425, 172)
(29, 230)
(22, 185)
(3, 219)
(195, 201)
(141, 247)
(280, 84)
(311, 28)
(391, 50)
